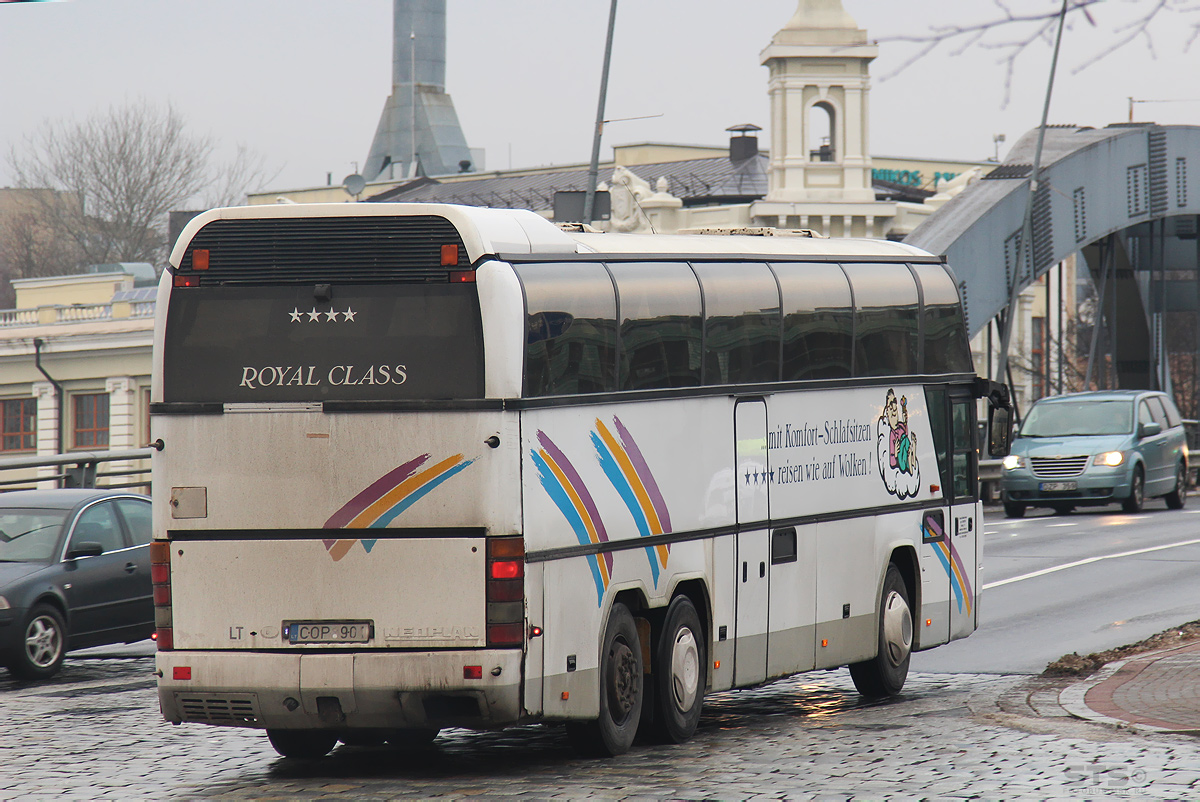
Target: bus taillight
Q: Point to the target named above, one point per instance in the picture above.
(160, 580)
(505, 591)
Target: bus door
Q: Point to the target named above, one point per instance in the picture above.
(963, 528)
(753, 541)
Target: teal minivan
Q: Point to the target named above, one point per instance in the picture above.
(1097, 448)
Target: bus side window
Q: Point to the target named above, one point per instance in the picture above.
(659, 311)
(946, 347)
(939, 425)
(741, 323)
(571, 329)
(818, 321)
(886, 322)
(962, 422)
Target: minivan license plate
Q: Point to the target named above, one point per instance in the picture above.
(1051, 487)
(327, 631)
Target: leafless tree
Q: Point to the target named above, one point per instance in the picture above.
(29, 247)
(1014, 26)
(129, 166)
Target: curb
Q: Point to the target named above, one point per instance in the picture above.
(1073, 698)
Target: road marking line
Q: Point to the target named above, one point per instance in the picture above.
(1048, 526)
(1089, 560)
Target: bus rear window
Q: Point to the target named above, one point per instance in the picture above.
(283, 343)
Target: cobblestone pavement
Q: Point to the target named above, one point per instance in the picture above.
(95, 733)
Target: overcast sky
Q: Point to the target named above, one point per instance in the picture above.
(303, 81)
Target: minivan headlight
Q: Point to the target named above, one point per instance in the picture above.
(1013, 461)
(1110, 459)
(4, 605)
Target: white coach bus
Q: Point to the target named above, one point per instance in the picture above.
(429, 466)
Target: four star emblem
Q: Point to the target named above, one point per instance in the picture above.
(314, 316)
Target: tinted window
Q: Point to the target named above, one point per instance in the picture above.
(963, 424)
(137, 519)
(818, 321)
(659, 307)
(1173, 416)
(1144, 415)
(278, 343)
(741, 323)
(947, 349)
(571, 333)
(98, 524)
(1158, 412)
(886, 323)
(935, 399)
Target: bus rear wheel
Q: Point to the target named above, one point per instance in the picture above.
(679, 673)
(884, 674)
(621, 670)
(302, 744)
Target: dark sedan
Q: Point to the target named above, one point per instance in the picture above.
(74, 573)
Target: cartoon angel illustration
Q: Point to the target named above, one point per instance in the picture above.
(896, 446)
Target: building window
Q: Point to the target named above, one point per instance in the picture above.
(91, 420)
(20, 424)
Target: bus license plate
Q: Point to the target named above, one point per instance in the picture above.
(328, 631)
(1053, 487)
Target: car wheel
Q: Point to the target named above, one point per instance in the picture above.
(884, 674)
(621, 677)
(302, 744)
(1178, 497)
(1014, 509)
(679, 673)
(43, 644)
(1137, 492)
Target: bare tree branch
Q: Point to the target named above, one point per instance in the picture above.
(127, 168)
(1028, 27)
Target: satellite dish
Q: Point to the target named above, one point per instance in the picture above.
(354, 184)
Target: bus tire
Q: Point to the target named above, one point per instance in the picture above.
(302, 744)
(621, 677)
(679, 673)
(884, 674)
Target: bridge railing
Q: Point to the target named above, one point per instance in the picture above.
(78, 469)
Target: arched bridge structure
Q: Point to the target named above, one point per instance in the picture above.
(1126, 196)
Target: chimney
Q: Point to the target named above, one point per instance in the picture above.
(744, 141)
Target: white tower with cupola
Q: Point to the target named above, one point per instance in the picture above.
(819, 84)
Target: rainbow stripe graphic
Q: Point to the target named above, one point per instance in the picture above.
(626, 468)
(951, 562)
(566, 489)
(388, 496)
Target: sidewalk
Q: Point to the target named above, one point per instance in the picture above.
(1153, 692)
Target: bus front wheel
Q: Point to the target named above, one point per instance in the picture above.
(302, 744)
(621, 669)
(884, 674)
(679, 673)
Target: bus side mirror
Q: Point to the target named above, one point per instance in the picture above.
(999, 431)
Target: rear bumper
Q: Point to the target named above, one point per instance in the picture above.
(332, 691)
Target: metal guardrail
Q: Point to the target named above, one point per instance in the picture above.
(78, 469)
